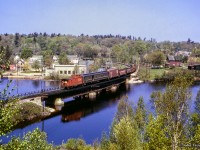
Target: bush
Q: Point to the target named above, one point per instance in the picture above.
(35, 140)
(29, 111)
(77, 144)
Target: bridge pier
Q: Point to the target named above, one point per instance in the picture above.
(127, 80)
(113, 88)
(58, 102)
(92, 95)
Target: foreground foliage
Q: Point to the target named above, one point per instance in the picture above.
(35, 140)
(170, 127)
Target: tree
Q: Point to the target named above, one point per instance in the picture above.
(47, 55)
(141, 117)
(32, 141)
(4, 62)
(8, 111)
(26, 53)
(126, 134)
(197, 104)
(195, 118)
(173, 106)
(140, 47)
(77, 144)
(8, 108)
(121, 53)
(36, 65)
(17, 40)
(7, 53)
(124, 114)
(157, 58)
(155, 135)
(63, 59)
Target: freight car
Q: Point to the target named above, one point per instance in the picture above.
(95, 77)
(122, 72)
(113, 73)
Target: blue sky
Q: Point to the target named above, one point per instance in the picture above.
(174, 20)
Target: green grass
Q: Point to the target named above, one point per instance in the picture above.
(156, 73)
(150, 74)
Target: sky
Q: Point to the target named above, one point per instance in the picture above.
(173, 20)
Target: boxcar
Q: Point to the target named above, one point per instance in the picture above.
(122, 72)
(87, 78)
(129, 70)
(74, 81)
(98, 76)
(113, 73)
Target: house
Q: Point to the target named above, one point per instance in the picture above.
(13, 67)
(55, 58)
(73, 59)
(194, 67)
(34, 58)
(183, 53)
(173, 61)
(19, 64)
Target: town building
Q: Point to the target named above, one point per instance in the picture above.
(34, 58)
(65, 70)
(173, 61)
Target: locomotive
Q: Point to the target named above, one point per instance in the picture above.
(85, 79)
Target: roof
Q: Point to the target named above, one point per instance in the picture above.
(72, 56)
(170, 58)
(37, 57)
(174, 58)
(83, 62)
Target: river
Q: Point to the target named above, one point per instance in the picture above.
(85, 118)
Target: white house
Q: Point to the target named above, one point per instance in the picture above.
(73, 59)
(65, 70)
(55, 58)
(19, 63)
(34, 58)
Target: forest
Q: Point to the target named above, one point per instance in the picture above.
(124, 49)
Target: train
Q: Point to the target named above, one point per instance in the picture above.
(94, 77)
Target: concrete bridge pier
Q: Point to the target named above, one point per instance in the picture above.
(92, 95)
(113, 88)
(127, 80)
(58, 102)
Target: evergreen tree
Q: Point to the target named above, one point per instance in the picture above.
(156, 134)
(126, 134)
(8, 53)
(141, 117)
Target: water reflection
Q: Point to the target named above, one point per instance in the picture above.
(76, 109)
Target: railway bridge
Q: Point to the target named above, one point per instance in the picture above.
(87, 91)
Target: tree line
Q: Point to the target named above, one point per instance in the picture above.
(125, 49)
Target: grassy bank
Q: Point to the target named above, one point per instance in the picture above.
(148, 74)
